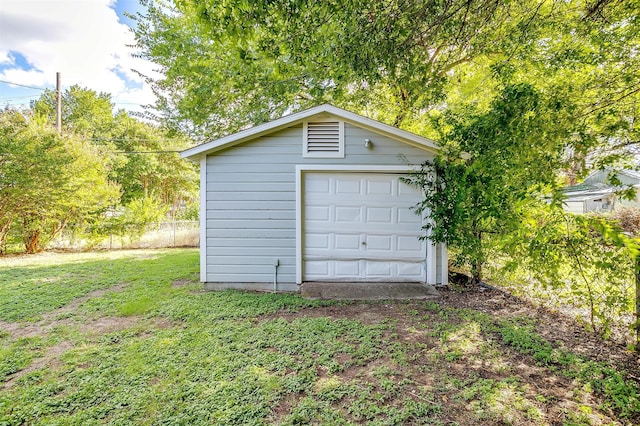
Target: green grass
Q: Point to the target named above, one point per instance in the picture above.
(33, 286)
(152, 348)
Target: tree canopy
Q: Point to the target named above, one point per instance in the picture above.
(142, 158)
(235, 63)
(231, 64)
(48, 180)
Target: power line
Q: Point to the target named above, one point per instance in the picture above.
(22, 85)
(15, 102)
(14, 98)
(145, 152)
(128, 140)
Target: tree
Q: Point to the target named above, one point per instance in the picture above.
(513, 151)
(141, 158)
(49, 180)
(230, 64)
(147, 164)
(84, 111)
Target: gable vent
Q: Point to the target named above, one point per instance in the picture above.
(324, 139)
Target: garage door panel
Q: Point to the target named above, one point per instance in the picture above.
(409, 191)
(410, 269)
(321, 185)
(381, 243)
(378, 269)
(411, 244)
(317, 241)
(318, 213)
(348, 214)
(406, 215)
(347, 269)
(350, 187)
(317, 268)
(347, 242)
(360, 226)
(384, 187)
(379, 215)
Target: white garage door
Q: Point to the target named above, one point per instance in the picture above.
(574, 206)
(361, 227)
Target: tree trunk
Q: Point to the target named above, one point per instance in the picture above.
(404, 107)
(637, 323)
(476, 272)
(31, 238)
(476, 267)
(4, 231)
(32, 241)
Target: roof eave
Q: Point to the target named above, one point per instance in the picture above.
(196, 152)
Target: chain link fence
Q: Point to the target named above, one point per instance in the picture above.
(613, 307)
(182, 233)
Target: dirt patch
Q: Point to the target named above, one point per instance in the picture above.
(80, 300)
(105, 325)
(51, 360)
(96, 327)
(10, 327)
(561, 330)
(50, 320)
(366, 312)
(546, 391)
(181, 283)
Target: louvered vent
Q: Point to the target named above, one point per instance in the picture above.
(323, 139)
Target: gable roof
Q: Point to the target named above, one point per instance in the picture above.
(631, 173)
(321, 111)
(600, 176)
(590, 194)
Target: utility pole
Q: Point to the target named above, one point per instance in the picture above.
(58, 103)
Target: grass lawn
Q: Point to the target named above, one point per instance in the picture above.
(129, 337)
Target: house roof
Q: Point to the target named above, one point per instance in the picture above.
(603, 174)
(631, 173)
(590, 194)
(584, 192)
(321, 111)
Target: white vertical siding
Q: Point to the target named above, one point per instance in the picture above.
(251, 202)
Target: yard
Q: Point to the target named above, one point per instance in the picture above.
(129, 337)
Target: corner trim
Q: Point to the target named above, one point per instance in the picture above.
(203, 219)
(299, 219)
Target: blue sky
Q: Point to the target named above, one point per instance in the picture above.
(85, 40)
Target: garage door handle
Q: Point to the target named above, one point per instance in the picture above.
(364, 243)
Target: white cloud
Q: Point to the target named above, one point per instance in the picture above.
(81, 39)
(5, 58)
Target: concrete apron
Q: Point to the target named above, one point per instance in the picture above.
(367, 291)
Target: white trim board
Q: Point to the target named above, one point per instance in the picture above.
(203, 219)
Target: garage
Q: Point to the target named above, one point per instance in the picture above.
(361, 227)
(314, 197)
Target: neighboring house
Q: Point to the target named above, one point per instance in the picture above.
(595, 194)
(313, 196)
